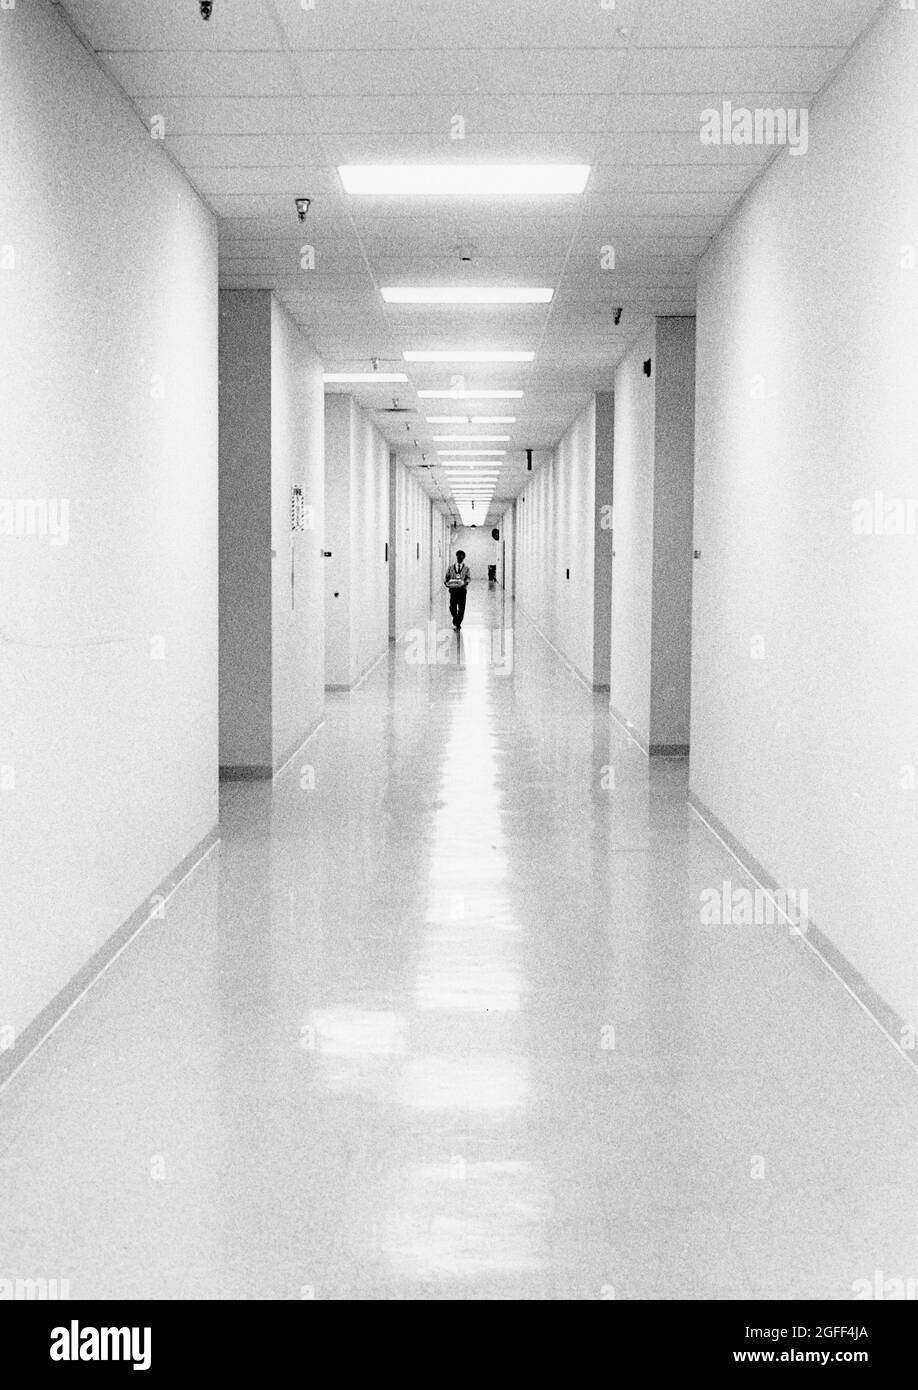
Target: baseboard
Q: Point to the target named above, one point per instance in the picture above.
(634, 734)
(264, 772)
(301, 742)
(873, 1004)
(371, 667)
(358, 680)
(650, 750)
(53, 1014)
(565, 660)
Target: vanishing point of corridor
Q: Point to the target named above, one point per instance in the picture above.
(439, 1017)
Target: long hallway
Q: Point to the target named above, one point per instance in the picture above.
(439, 1017)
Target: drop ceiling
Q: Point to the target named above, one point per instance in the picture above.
(262, 103)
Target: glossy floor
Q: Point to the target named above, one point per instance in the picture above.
(439, 1018)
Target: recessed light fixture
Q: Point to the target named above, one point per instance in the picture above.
(465, 294)
(464, 180)
(470, 395)
(471, 453)
(471, 438)
(364, 376)
(474, 355)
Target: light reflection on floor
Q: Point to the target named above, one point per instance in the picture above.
(367, 1049)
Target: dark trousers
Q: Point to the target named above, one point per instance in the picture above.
(457, 604)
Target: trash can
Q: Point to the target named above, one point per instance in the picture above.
(492, 574)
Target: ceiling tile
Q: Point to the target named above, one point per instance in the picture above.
(263, 102)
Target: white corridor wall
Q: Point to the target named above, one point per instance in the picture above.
(412, 535)
(108, 400)
(481, 550)
(804, 732)
(561, 547)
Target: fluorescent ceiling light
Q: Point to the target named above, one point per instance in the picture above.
(365, 376)
(473, 355)
(491, 420)
(471, 438)
(470, 395)
(470, 453)
(465, 294)
(464, 180)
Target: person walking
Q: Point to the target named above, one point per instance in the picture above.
(457, 581)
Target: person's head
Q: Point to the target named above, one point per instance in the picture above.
(460, 556)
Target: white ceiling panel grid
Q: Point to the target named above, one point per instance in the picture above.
(262, 103)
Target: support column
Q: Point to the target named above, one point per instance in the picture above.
(271, 512)
(357, 515)
(651, 609)
(393, 545)
(602, 538)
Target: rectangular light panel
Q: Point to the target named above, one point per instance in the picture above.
(470, 395)
(465, 294)
(471, 355)
(464, 180)
(381, 377)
